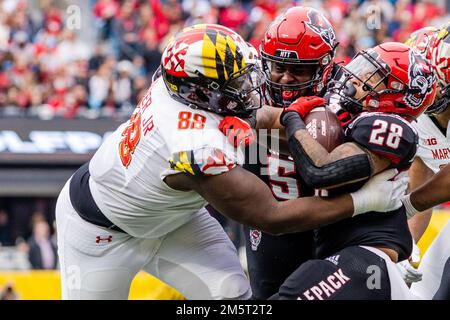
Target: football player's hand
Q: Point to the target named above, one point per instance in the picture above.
(237, 130)
(344, 117)
(380, 194)
(408, 268)
(303, 106)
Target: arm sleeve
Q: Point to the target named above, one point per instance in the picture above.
(343, 171)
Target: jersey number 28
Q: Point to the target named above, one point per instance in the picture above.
(384, 133)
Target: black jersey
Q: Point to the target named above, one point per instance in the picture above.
(279, 172)
(391, 137)
(271, 259)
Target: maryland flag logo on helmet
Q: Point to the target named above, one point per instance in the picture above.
(211, 67)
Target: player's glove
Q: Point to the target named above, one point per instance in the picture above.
(344, 117)
(408, 268)
(410, 210)
(380, 194)
(303, 106)
(237, 130)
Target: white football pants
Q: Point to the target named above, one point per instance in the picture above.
(432, 266)
(197, 259)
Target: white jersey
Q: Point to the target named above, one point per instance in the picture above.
(163, 137)
(434, 146)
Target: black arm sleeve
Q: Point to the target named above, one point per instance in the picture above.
(346, 170)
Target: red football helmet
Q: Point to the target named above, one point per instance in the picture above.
(300, 36)
(389, 78)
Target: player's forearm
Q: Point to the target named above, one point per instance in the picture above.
(434, 192)
(419, 223)
(243, 197)
(293, 215)
(268, 118)
(309, 213)
(346, 167)
(419, 173)
(318, 154)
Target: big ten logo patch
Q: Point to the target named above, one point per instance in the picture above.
(431, 141)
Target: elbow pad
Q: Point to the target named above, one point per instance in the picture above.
(342, 171)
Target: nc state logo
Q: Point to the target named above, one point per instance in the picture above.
(320, 25)
(255, 238)
(421, 81)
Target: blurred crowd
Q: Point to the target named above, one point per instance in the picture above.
(48, 68)
(27, 234)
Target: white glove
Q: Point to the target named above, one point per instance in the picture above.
(379, 194)
(410, 210)
(408, 268)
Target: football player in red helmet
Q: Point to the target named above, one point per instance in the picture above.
(384, 88)
(389, 78)
(297, 54)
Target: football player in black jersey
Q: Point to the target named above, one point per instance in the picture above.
(384, 88)
(297, 54)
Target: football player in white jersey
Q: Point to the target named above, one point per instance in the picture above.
(139, 203)
(433, 154)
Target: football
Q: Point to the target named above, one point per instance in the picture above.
(324, 126)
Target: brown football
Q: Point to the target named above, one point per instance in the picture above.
(324, 126)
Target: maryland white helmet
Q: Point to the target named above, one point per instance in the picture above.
(434, 44)
(440, 60)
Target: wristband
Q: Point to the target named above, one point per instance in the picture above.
(411, 211)
(359, 204)
(292, 122)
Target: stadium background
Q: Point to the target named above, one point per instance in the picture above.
(71, 71)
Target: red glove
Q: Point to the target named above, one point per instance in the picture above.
(344, 117)
(304, 105)
(237, 131)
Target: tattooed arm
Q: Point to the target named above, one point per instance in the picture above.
(346, 164)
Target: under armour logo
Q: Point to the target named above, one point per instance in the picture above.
(99, 239)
